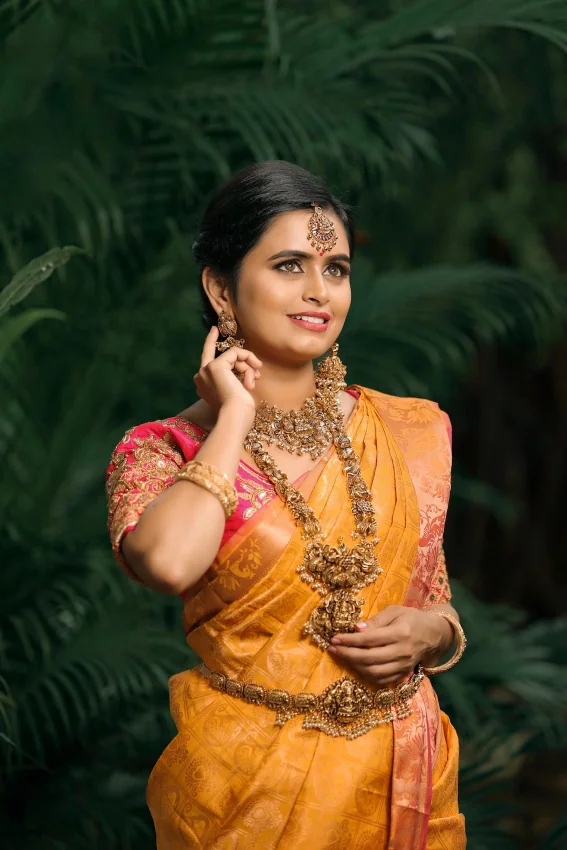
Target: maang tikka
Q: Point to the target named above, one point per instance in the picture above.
(321, 231)
(228, 328)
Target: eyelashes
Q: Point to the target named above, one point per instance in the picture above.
(282, 267)
(344, 270)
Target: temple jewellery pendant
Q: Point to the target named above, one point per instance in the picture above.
(337, 572)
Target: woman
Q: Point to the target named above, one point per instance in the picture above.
(313, 605)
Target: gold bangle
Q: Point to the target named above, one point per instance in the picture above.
(213, 480)
(461, 645)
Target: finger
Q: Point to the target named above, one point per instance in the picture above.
(386, 675)
(355, 657)
(369, 637)
(385, 617)
(398, 653)
(245, 374)
(239, 354)
(249, 381)
(395, 654)
(208, 354)
(241, 367)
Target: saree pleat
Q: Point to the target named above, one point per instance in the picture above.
(233, 779)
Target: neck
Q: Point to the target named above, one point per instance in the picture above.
(285, 387)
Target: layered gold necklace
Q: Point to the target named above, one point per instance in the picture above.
(339, 571)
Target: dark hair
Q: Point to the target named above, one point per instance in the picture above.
(241, 210)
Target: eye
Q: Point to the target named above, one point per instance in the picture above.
(337, 270)
(290, 266)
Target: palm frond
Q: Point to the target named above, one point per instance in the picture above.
(279, 74)
(12, 329)
(90, 651)
(35, 272)
(528, 684)
(547, 19)
(400, 317)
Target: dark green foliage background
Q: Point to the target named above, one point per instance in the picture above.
(441, 121)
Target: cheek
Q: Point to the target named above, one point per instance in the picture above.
(261, 291)
(342, 299)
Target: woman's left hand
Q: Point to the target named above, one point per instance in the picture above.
(386, 648)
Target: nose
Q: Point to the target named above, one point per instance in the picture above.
(316, 290)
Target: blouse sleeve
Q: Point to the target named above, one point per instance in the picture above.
(440, 588)
(142, 466)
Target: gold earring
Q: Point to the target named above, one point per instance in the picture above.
(330, 376)
(228, 328)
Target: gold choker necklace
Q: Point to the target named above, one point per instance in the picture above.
(310, 429)
(337, 572)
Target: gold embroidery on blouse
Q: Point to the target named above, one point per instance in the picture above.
(118, 459)
(187, 427)
(138, 477)
(257, 490)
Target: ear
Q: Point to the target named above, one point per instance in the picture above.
(217, 290)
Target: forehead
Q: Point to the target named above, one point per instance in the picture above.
(289, 231)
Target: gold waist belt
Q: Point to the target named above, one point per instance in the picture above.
(346, 708)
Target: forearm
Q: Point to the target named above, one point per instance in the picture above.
(446, 634)
(179, 533)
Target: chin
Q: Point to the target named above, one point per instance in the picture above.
(296, 347)
(311, 349)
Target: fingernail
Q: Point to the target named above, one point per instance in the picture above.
(257, 373)
(361, 626)
(331, 648)
(336, 641)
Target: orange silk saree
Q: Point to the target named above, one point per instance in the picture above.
(233, 780)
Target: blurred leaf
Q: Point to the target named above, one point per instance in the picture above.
(34, 273)
(12, 329)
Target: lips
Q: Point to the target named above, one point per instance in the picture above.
(311, 321)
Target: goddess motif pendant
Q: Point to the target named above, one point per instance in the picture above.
(337, 614)
(342, 571)
(327, 567)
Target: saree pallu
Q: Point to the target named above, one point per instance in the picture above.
(233, 780)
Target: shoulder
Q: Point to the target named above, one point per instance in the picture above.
(410, 411)
(420, 409)
(175, 438)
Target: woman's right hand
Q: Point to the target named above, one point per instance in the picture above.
(216, 382)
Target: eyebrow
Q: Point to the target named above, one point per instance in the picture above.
(303, 255)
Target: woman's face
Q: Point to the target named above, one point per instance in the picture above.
(282, 279)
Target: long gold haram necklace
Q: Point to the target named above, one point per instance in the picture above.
(337, 572)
